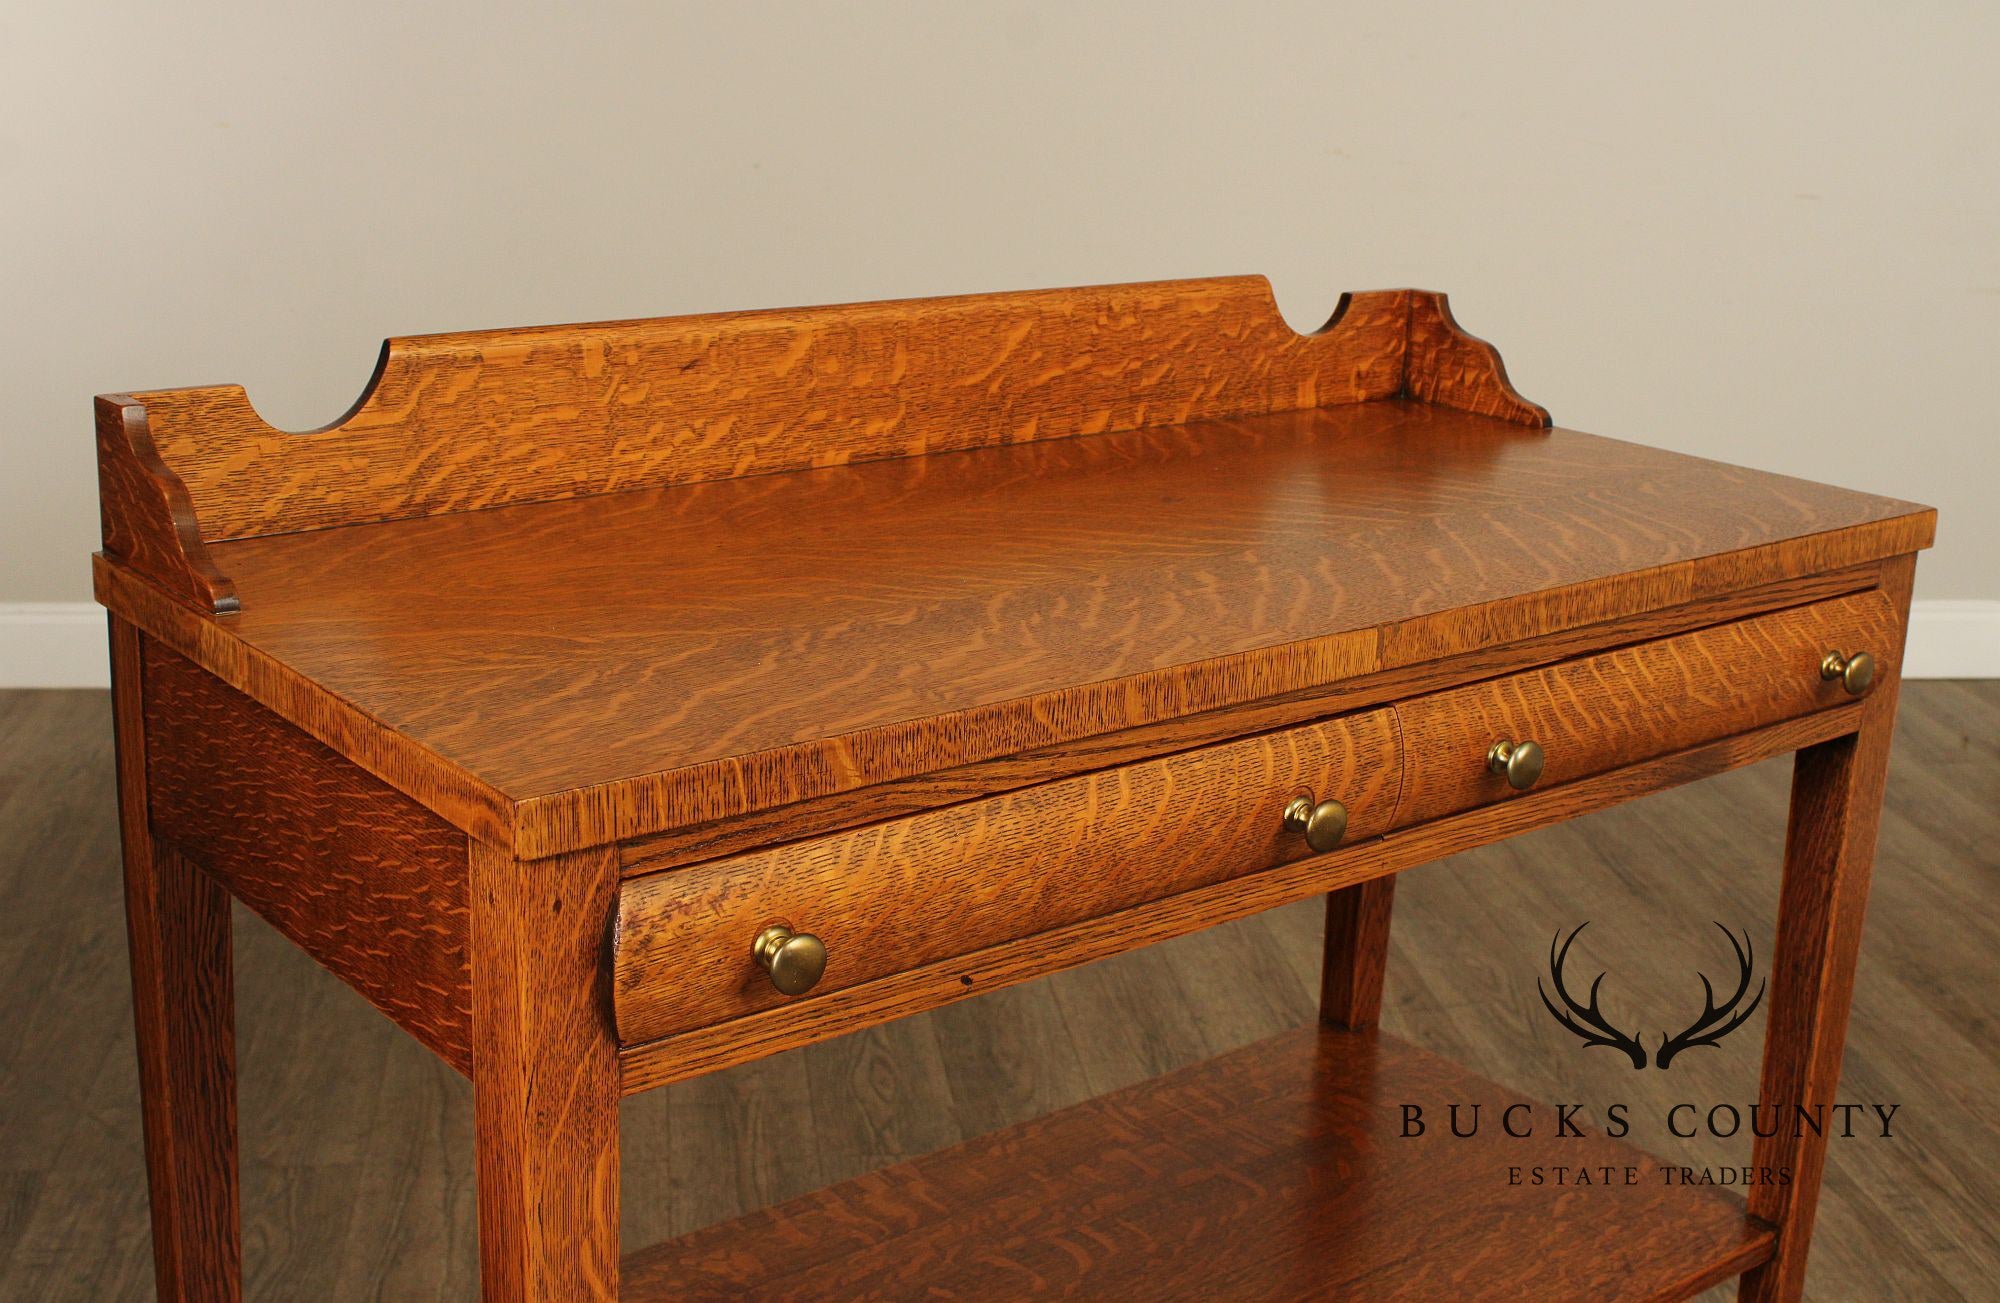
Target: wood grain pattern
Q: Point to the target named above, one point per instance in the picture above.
(575, 586)
(183, 1005)
(1829, 858)
(1596, 712)
(461, 422)
(1448, 367)
(1275, 1172)
(947, 882)
(544, 1077)
(901, 618)
(691, 1054)
(914, 891)
(1004, 773)
(147, 517)
(1357, 951)
(362, 878)
(466, 421)
(399, 760)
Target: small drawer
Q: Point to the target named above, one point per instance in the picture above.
(1599, 712)
(913, 891)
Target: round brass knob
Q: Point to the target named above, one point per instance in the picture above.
(1520, 762)
(1323, 824)
(794, 960)
(1856, 673)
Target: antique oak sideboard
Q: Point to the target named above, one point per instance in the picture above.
(610, 704)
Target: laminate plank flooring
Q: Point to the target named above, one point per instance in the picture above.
(357, 1145)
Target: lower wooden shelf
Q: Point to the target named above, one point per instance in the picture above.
(1277, 1171)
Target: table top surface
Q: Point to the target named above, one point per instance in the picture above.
(564, 645)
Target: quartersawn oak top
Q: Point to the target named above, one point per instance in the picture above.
(781, 635)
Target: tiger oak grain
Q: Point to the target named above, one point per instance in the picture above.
(1595, 712)
(943, 787)
(1285, 1153)
(364, 879)
(184, 1021)
(728, 647)
(1836, 813)
(617, 637)
(460, 422)
(907, 892)
(754, 1036)
(544, 1077)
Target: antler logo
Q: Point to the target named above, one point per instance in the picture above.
(1588, 1021)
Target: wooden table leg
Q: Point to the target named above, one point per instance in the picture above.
(1829, 852)
(183, 1007)
(544, 1076)
(1357, 950)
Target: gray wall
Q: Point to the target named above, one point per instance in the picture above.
(1768, 237)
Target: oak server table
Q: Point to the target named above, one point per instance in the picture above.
(611, 704)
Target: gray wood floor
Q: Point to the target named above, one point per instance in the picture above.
(358, 1146)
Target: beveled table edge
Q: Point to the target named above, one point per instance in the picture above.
(644, 805)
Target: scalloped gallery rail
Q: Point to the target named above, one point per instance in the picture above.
(460, 422)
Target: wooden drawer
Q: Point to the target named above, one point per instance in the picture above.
(1599, 712)
(948, 882)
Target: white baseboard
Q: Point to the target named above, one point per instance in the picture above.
(61, 644)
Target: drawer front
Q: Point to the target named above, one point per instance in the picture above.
(913, 891)
(1600, 712)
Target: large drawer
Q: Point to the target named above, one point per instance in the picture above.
(1599, 712)
(911, 891)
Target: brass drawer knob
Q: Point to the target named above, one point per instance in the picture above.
(794, 960)
(1856, 673)
(1323, 824)
(1520, 763)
